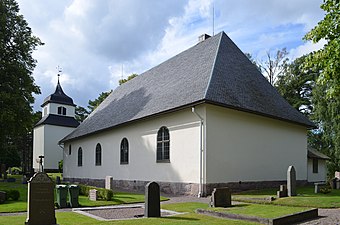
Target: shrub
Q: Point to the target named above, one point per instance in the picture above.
(13, 194)
(102, 193)
(325, 190)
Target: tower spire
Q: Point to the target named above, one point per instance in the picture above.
(59, 69)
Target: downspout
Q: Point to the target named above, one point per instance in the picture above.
(200, 187)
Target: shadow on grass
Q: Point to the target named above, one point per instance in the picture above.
(179, 218)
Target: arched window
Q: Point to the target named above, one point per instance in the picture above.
(69, 149)
(98, 155)
(124, 151)
(163, 145)
(80, 157)
(61, 110)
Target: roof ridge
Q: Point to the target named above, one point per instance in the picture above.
(213, 65)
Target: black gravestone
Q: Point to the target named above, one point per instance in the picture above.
(40, 204)
(152, 200)
(221, 197)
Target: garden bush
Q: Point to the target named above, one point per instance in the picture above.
(13, 194)
(102, 193)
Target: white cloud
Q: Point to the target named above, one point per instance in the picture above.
(306, 48)
(91, 40)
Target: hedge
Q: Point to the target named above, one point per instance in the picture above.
(102, 193)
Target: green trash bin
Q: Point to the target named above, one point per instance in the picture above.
(73, 193)
(61, 195)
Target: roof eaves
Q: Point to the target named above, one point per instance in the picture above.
(259, 113)
(133, 121)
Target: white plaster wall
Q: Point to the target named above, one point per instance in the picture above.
(52, 108)
(184, 129)
(246, 147)
(38, 145)
(51, 150)
(322, 171)
(45, 142)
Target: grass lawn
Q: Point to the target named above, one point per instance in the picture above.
(261, 210)
(305, 197)
(190, 218)
(21, 204)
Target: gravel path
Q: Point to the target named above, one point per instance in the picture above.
(326, 217)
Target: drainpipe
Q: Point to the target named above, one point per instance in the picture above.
(200, 187)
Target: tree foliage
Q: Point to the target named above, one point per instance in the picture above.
(82, 113)
(295, 84)
(17, 86)
(122, 81)
(95, 103)
(327, 91)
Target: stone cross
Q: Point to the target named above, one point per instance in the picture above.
(291, 181)
(40, 204)
(108, 182)
(152, 200)
(221, 197)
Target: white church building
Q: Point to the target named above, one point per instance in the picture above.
(202, 119)
(58, 120)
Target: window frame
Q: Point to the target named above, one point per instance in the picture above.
(61, 110)
(98, 155)
(163, 145)
(124, 152)
(80, 157)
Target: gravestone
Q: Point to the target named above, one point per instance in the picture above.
(57, 180)
(221, 197)
(152, 200)
(337, 174)
(108, 182)
(282, 192)
(291, 181)
(40, 204)
(2, 197)
(93, 195)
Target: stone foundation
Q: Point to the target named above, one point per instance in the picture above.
(182, 188)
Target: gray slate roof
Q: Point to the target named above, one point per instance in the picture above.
(213, 71)
(313, 153)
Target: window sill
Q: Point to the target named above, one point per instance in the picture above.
(163, 161)
(124, 163)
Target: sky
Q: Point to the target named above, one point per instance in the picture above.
(96, 43)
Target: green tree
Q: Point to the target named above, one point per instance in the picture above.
(295, 84)
(327, 91)
(81, 113)
(17, 86)
(95, 103)
(122, 81)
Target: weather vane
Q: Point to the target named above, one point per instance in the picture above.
(59, 69)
